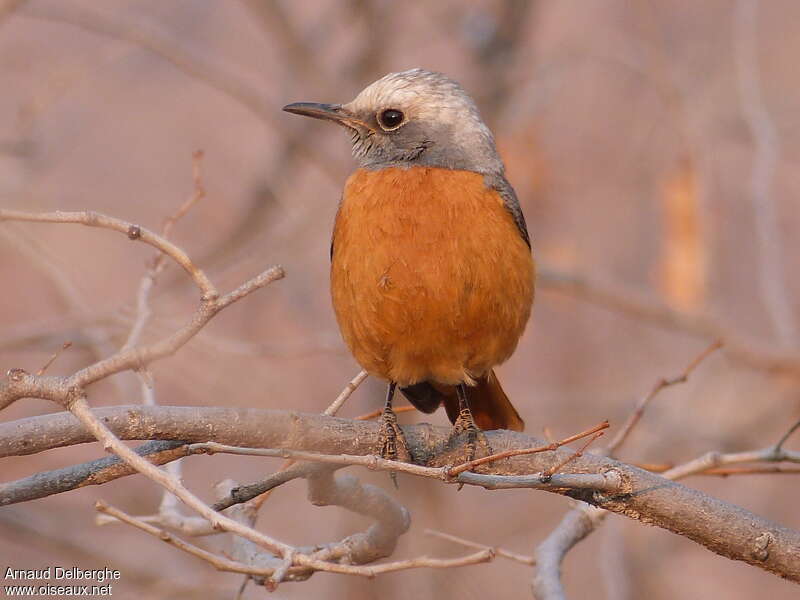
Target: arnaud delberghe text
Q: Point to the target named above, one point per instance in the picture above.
(63, 573)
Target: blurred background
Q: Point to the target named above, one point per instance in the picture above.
(653, 146)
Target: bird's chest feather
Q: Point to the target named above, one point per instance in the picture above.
(427, 257)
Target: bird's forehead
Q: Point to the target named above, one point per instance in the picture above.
(425, 93)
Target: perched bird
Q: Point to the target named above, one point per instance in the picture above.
(432, 275)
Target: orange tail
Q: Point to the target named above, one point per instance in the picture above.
(489, 404)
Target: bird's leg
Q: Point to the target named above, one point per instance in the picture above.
(392, 442)
(465, 423)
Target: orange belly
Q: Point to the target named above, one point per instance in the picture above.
(430, 278)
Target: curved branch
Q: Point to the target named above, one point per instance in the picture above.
(575, 526)
(134, 232)
(726, 529)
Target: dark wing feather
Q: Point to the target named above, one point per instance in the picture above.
(509, 196)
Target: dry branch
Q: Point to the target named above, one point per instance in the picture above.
(636, 415)
(723, 528)
(516, 557)
(575, 526)
(94, 472)
(133, 231)
(333, 443)
(391, 520)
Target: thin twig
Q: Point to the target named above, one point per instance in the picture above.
(346, 393)
(134, 232)
(786, 436)
(224, 564)
(266, 487)
(580, 521)
(637, 413)
(169, 513)
(377, 413)
(548, 473)
(470, 465)
(80, 408)
(520, 558)
(607, 481)
(754, 470)
(159, 260)
(53, 358)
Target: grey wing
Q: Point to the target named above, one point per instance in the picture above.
(509, 196)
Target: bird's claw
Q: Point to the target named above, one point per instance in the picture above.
(392, 442)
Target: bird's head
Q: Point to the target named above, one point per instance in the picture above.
(413, 118)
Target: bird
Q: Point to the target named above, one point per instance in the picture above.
(432, 272)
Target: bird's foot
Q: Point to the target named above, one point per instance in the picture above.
(466, 424)
(392, 442)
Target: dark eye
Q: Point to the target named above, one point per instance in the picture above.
(390, 118)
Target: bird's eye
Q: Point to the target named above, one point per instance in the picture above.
(390, 118)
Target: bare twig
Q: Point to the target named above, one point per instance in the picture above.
(468, 466)
(607, 481)
(244, 493)
(583, 519)
(134, 232)
(169, 513)
(516, 557)
(610, 481)
(79, 407)
(53, 358)
(580, 521)
(786, 436)
(548, 474)
(159, 261)
(753, 470)
(268, 485)
(719, 526)
(56, 388)
(81, 314)
(219, 562)
(225, 564)
(636, 415)
(377, 413)
(713, 460)
(345, 394)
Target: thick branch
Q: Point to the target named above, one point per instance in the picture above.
(723, 528)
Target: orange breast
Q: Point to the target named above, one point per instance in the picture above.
(430, 278)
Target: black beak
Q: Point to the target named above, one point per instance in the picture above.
(328, 112)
